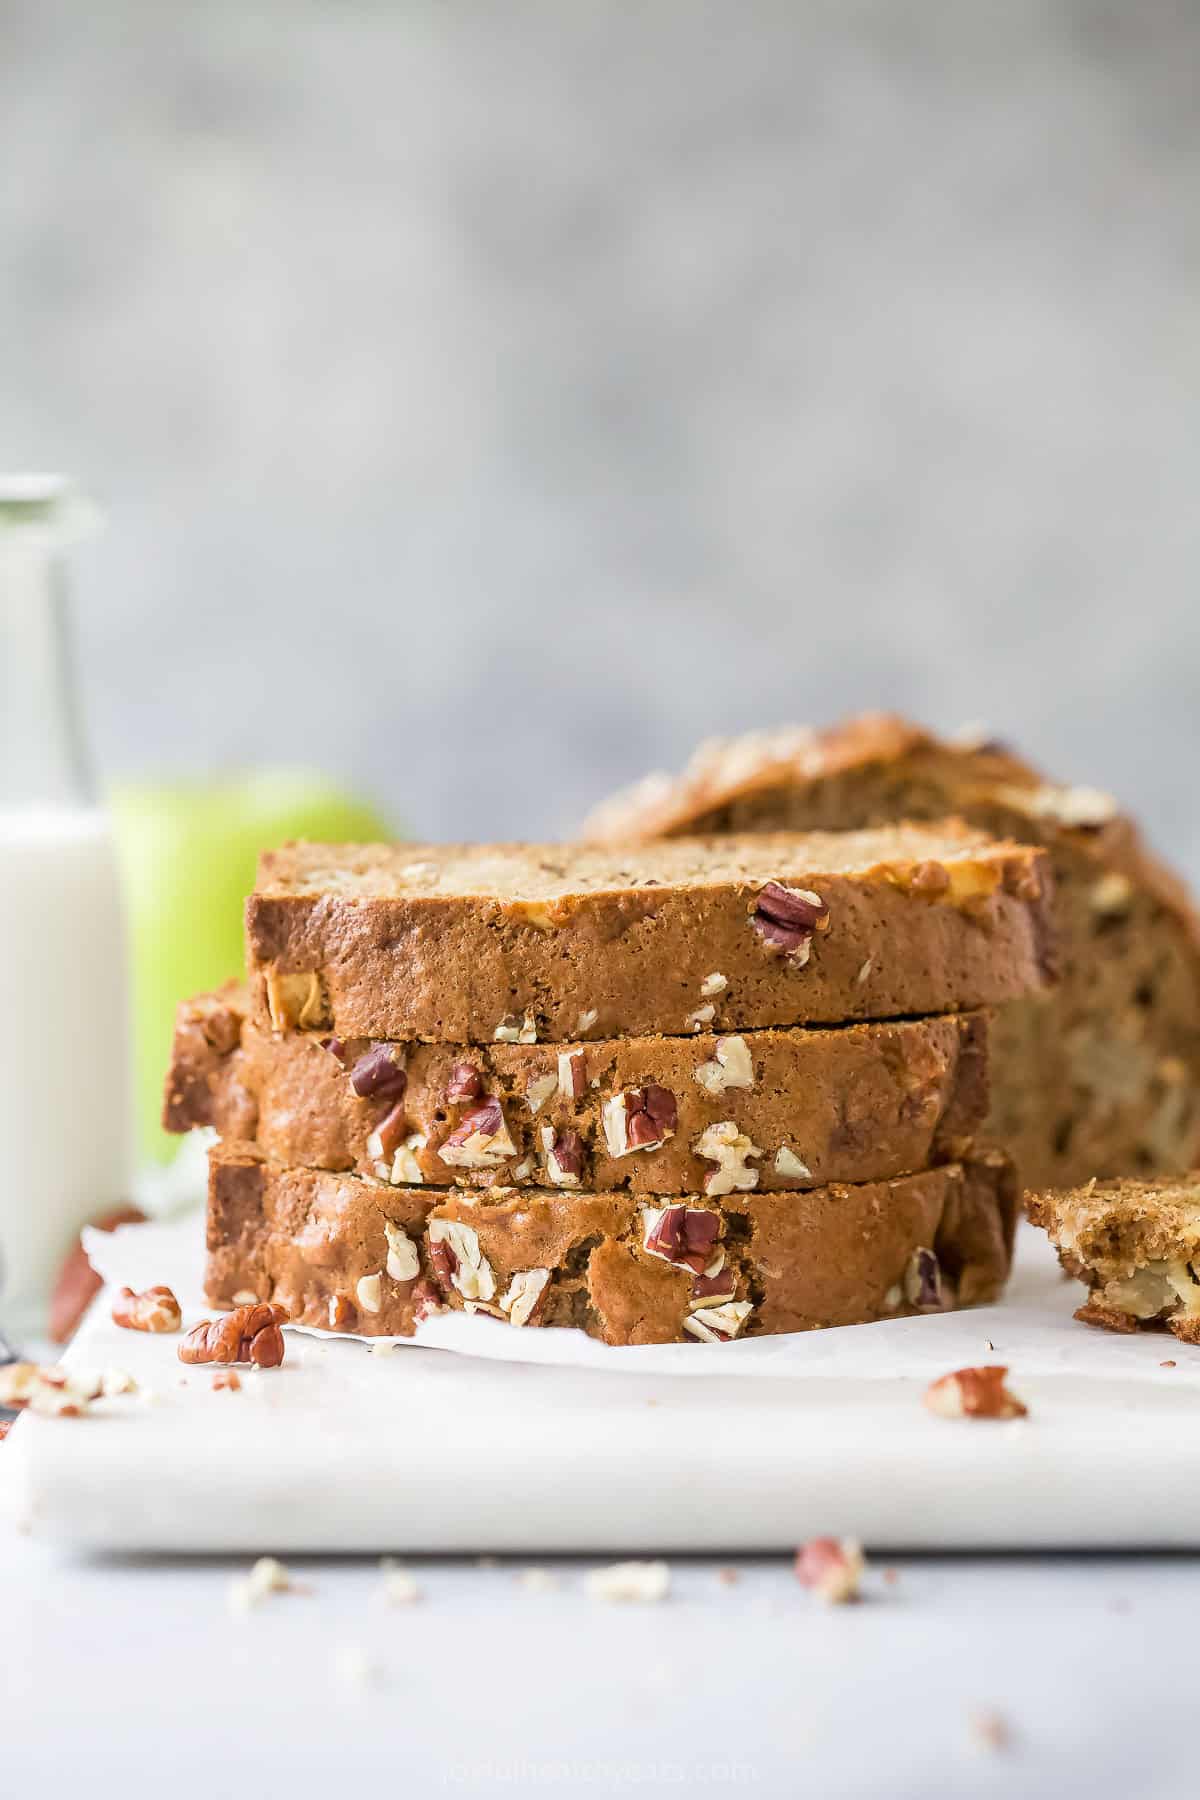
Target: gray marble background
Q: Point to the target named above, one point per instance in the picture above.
(492, 399)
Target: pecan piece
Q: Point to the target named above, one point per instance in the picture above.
(156, 1309)
(525, 1293)
(481, 1140)
(974, 1394)
(572, 1073)
(539, 1089)
(296, 1000)
(683, 1235)
(716, 1279)
(426, 1300)
(923, 1281)
(832, 1567)
(564, 1156)
(57, 1393)
(247, 1334)
(403, 1258)
(718, 1324)
(379, 1074)
(639, 1119)
(788, 917)
(731, 1067)
(731, 1150)
(388, 1135)
(458, 1260)
(465, 1083)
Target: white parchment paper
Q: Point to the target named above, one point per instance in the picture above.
(1032, 1325)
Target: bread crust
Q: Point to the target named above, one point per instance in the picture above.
(315, 1242)
(850, 1103)
(454, 944)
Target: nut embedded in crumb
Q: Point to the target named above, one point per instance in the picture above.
(156, 1309)
(974, 1394)
(514, 1030)
(731, 1067)
(268, 1576)
(832, 1567)
(629, 1582)
(368, 1292)
(731, 1150)
(789, 1166)
(786, 918)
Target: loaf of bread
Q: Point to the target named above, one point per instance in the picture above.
(652, 1115)
(355, 1255)
(1100, 1076)
(493, 944)
(1136, 1245)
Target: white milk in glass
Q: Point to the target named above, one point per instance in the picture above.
(65, 1112)
(64, 1097)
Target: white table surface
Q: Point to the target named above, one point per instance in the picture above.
(133, 1676)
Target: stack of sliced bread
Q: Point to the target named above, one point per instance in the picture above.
(692, 1091)
(1099, 1076)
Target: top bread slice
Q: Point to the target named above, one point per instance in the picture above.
(1101, 1077)
(561, 943)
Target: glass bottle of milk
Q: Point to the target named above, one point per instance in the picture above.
(65, 1099)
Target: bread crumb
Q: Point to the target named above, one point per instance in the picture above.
(539, 1581)
(399, 1588)
(637, 1582)
(832, 1567)
(268, 1576)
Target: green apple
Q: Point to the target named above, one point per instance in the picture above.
(188, 854)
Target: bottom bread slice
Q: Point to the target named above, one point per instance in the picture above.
(344, 1252)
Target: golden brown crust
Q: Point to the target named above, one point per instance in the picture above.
(318, 1244)
(586, 944)
(852, 1103)
(1103, 1075)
